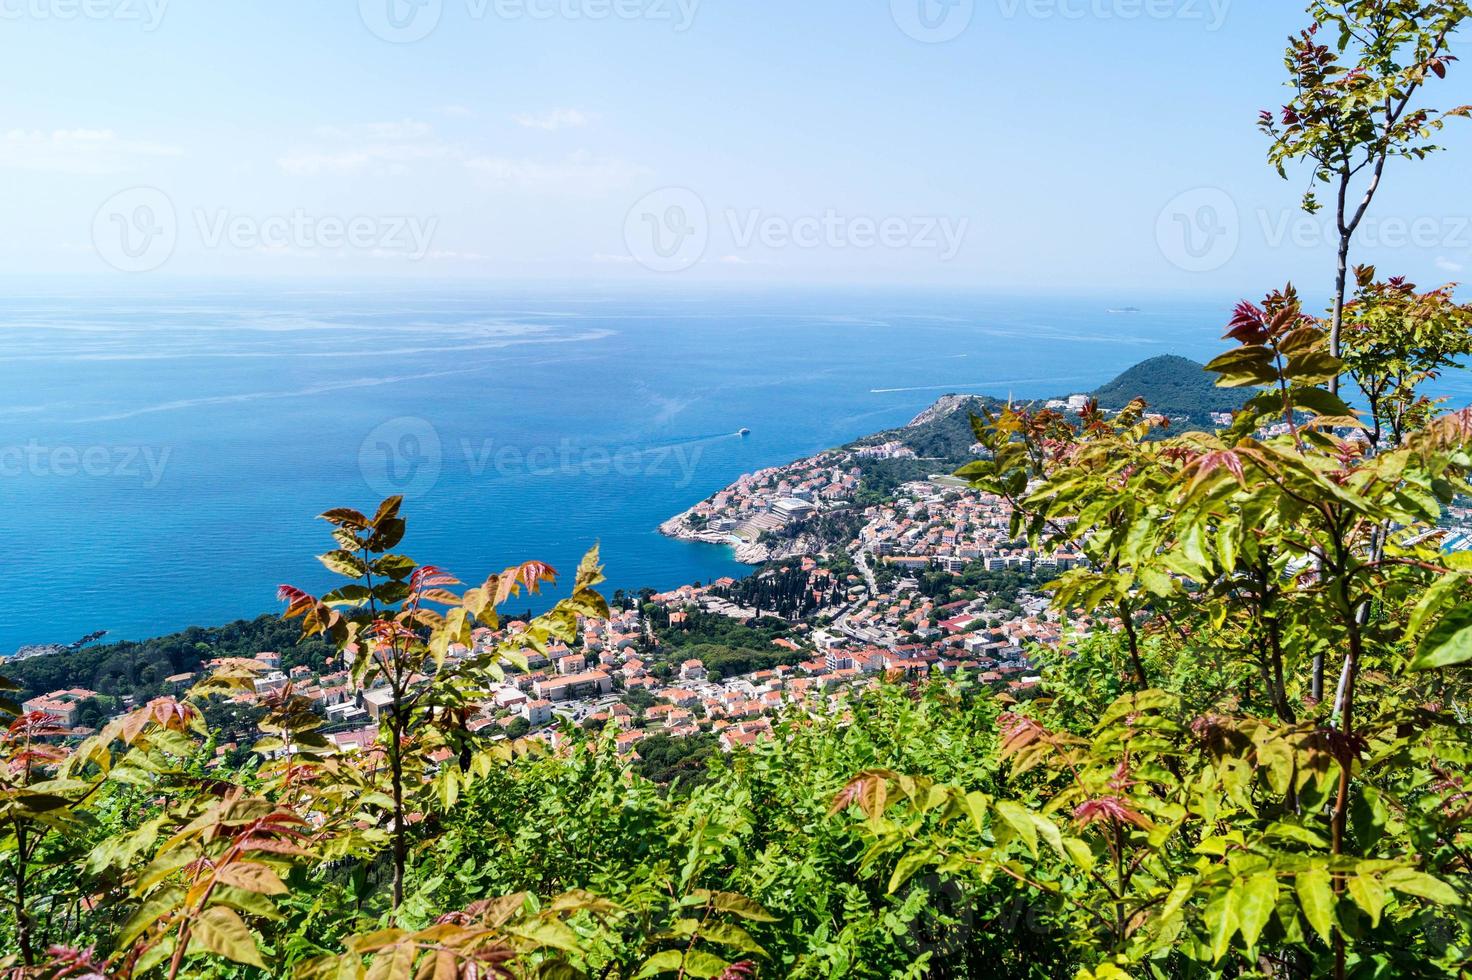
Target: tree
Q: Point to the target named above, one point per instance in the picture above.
(1348, 123)
(388, 630)
(1216, 814)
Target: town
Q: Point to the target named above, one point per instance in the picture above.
(926, 582)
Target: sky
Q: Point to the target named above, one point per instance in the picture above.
(989, 144)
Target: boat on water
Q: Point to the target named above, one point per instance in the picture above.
(744, 433)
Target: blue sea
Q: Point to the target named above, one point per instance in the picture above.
(163, 453)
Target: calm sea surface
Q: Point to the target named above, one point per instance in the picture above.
(162, 455)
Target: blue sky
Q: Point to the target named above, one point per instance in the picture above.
(1049, 144)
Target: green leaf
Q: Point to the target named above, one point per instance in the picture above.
(738, 905)
(344, 563)
(697, 963)
(154, 908)
(119, 851)
(1256, 899)
(1409, 882)
(1320, 401)
(1449, 642)
(1369, 895)
(1313, 367)
(907, 866)
(730, 935)
(1221, 919)
(220, 930)
(396, 567)
(1020, 820)
(666, 962)
(1316, 897)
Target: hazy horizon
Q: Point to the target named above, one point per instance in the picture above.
(1033, 144)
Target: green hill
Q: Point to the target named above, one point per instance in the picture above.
(1173, 386)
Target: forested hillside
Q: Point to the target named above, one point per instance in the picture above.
(1175, 386)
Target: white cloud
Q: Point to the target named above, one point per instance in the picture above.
(449, 255)
(554, 120)
(77, 151)
(579, 173)
(602, 258)
(456, 111)
(1447, 265)
(406, 129)
(381, 148)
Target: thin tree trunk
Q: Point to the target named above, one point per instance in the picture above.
(397, 774)
(22, 913)
(1346, 761)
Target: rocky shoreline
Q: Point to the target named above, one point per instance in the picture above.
(745, 552)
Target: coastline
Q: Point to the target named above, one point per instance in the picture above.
(751, 553)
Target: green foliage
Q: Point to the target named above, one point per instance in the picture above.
(682, 762)
(1212, 817)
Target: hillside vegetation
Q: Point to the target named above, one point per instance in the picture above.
(1172, 385)
(1253, 761)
